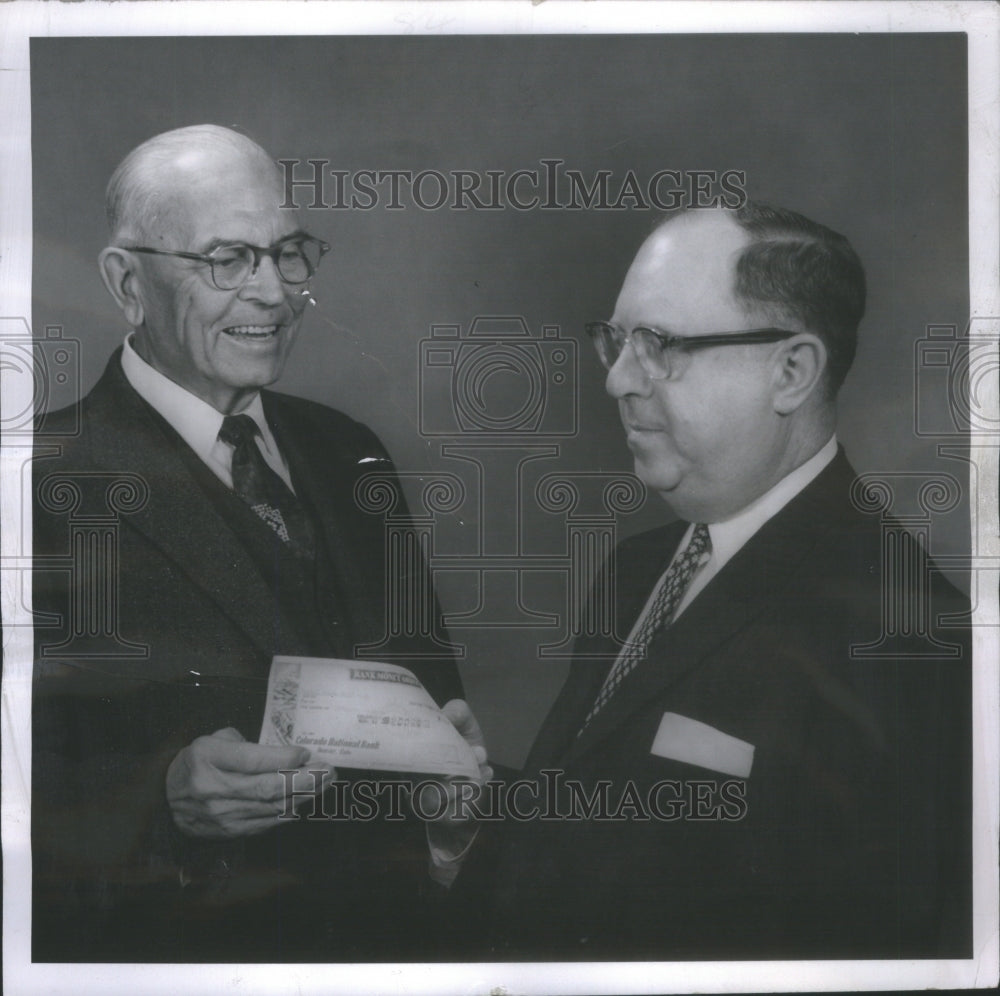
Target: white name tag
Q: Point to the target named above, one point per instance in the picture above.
(683, 739)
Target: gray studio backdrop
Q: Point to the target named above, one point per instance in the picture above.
(865, 133)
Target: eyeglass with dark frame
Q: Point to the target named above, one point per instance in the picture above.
(296, 259)
(657, 351)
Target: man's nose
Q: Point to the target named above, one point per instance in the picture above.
(626, 375)
(265, 284)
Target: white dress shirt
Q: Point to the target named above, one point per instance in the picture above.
(196, 421)
(730, 535)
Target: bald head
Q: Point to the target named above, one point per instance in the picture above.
(174, 201)
(154, 179)
(689, 263)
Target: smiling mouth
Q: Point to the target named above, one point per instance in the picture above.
(248, 332)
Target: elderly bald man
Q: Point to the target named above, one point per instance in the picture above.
(156, 818)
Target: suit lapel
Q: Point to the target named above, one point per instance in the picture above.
(749, 584)
(324, 472)
(559, 731)
(635, 575)
(126, 434)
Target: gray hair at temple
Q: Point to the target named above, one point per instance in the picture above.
(801, 270)
(796, 268)
(135, 200)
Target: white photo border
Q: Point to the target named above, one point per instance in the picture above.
(22, 20)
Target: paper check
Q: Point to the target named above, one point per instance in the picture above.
(361, 714)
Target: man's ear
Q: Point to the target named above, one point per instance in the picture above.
(118, 271)
(801, 363)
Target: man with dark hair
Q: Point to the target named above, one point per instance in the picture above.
(794, 266)
(157, 818)
(770, 758)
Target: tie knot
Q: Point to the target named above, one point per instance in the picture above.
(237, 429)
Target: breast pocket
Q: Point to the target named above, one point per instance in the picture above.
(679, 738)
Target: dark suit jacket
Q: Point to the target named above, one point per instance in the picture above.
(850, 836)
(191, 605)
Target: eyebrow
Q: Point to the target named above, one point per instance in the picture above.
(216, 243)
(645, 325)
(659, 328)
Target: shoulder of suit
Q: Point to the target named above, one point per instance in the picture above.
(106, 394)
(67, 431)
(61, 422)
(312, 416)
(110, 407)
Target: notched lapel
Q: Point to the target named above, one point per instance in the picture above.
(751, 583)
(324, 471)
(637, 569)
(125, 434)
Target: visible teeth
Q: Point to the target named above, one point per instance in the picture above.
(252, 330)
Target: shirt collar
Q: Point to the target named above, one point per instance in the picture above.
(194, 420)
(731, 534)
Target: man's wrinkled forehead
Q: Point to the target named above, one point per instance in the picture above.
(228, 183)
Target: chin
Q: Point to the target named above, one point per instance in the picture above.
(667, 481)
(256, 375)
(657, 476)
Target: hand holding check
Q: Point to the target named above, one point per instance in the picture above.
(223, 786)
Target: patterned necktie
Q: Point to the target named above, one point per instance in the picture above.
(668, 596)
(260, 487)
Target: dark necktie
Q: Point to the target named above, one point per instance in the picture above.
(261, 488)
(668, 596)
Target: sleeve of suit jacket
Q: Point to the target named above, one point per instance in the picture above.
(116, 698)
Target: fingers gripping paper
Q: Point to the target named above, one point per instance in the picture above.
(361, 714)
